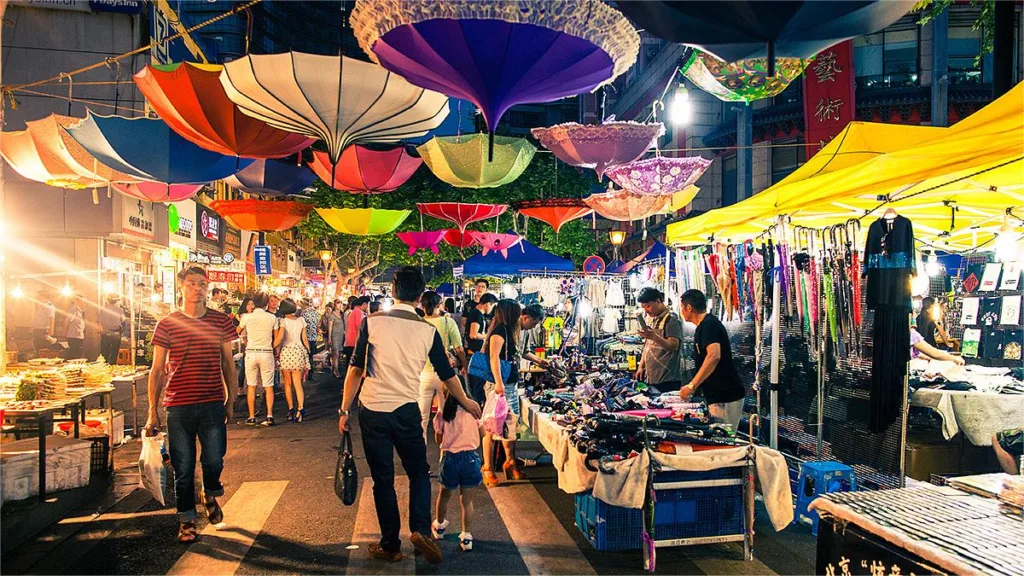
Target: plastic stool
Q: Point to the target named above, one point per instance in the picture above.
(817, 478)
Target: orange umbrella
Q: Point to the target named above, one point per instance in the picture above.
(262, 215)
(555, 211)
(362, 170)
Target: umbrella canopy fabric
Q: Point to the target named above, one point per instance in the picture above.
(740, 29)
(272, 178)
(190, 99)
(656, 252)
(659, 175)
(458, 238)
(158, 191)
(262, 215)
(426, 240)
(364, 171)
(496, 242)
(461, 214)
(743, 80)
(681, 199)
(523, 258)
(21, 152)
(498, 53)
(148, 149)
(599, 146)
(625, 206)
(336, 99)
(555, 211)
(464, 161)
(363, 221)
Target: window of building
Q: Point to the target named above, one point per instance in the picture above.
(729, 180)
(963, 48)
(787, 156)
(886, 59)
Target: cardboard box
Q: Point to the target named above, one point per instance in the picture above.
(67, 466)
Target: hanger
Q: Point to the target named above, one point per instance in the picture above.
(890, 214)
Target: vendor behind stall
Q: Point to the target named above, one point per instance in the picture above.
(659, 364)
(716, 374)
(929, 325)
(532, 336)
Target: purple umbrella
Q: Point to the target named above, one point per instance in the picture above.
(498, 53)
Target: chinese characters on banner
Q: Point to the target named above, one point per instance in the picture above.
(225, 276)
(828, 95)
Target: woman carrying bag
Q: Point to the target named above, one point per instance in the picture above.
(501, 349)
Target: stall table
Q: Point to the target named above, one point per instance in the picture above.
(978, 414)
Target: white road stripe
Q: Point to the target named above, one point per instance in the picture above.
(366, 531)
(545, 546)
(220, 550)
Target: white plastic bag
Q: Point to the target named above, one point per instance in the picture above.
(495, 416)
(152, 471)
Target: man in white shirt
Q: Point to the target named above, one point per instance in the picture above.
(43, 322)
(262, 331)
(75, 332)
(391, 351)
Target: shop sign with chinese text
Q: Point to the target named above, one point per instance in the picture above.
(828, 95)
(183, 227)
(231, 277)
(137, 218)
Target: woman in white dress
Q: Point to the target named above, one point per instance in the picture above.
(294, 358)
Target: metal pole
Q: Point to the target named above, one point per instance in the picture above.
(822, 347)
(773, 384)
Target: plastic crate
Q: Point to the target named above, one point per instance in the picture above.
(609, 528)
(99, 457)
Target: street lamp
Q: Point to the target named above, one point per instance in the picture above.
(679, 110)
(326, 255)
(616, 237)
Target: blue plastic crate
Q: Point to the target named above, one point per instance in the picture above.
(609, 528)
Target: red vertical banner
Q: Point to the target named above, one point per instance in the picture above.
(828, 95)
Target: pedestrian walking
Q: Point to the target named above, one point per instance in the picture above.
(294, 359)
(391, 350)
(458, 434)
(111, 323)
(352, 323)
(75, 330)
(501, 346)
(312, 318)
(430, 384)
(192, 356)
(262, 332)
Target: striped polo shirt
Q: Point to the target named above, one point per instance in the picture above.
(392, 348)
(194, 352)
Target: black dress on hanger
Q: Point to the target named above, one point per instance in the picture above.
(889, 264)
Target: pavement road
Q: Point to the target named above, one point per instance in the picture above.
(281, 516)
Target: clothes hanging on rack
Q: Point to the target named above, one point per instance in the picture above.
(610, 320)
(615, 295)
(596, 292)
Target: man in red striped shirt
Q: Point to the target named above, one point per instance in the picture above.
(192, 355)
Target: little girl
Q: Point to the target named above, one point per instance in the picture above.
(458, 434)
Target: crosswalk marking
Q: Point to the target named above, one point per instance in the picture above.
(219, 551)
(545, 546)
(366, 531)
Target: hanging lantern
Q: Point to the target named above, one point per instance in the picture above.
(495, 241)
(272, 178)
(599, 146)
(554, 211)
(462, 161)
(462, 214)
(427, 240)
(743, 80)
(364, 171)
(659, 175)
(262, 215)
(363, 221)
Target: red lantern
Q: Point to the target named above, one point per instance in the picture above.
(364, 171)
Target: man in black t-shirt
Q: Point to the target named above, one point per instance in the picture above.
(716, 373)
(476, 333)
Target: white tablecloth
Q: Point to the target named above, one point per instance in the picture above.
(978, 414)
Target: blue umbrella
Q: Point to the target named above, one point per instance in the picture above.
(272, 178)
(149, 150)
(740, 29)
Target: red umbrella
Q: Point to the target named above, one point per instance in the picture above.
(262, 215)
(190, 99)
(555, 211)
(599, 146)
(461, 214)
(157, 191)
(364, 171)
(458, 238)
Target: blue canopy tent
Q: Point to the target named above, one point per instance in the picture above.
(446, 289)
(522, 259)
(657, 252)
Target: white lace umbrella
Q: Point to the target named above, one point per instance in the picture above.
(339, 100)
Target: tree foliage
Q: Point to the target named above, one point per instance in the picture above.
(545, 177)
(985, 22)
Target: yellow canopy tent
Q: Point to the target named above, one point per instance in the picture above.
(954, 183)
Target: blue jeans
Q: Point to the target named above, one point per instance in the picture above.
(184, 424)
(385, 433)
(461, 469)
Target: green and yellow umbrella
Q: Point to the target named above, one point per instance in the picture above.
(462, 161)
(363, 221)
(743, 80)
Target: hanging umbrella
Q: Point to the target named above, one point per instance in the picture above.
(461, 214)
(495, 241)
(680, 200)
(624, 206)
(462, 160)
(272, 178)
(158, 191)
(148, 149)
(190, 99)
(659, 175)
(599, 146)
(743, 80)
(554, 211)
(458, 238)
(427, 240)
(363, 221)
(338, 100)
(740, 29)
(364, 171)
(262, 215)
(498, 53)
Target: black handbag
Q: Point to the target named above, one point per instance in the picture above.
(346, 479)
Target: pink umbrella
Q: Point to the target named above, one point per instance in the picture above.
(599, 146)
(624, 206)
(495, 241)
(461, 214)
(660, 175)
(427, 240)
(158, 191)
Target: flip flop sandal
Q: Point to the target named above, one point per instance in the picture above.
(187, 533)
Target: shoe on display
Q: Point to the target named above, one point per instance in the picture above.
(466, 542)
(438, 528)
